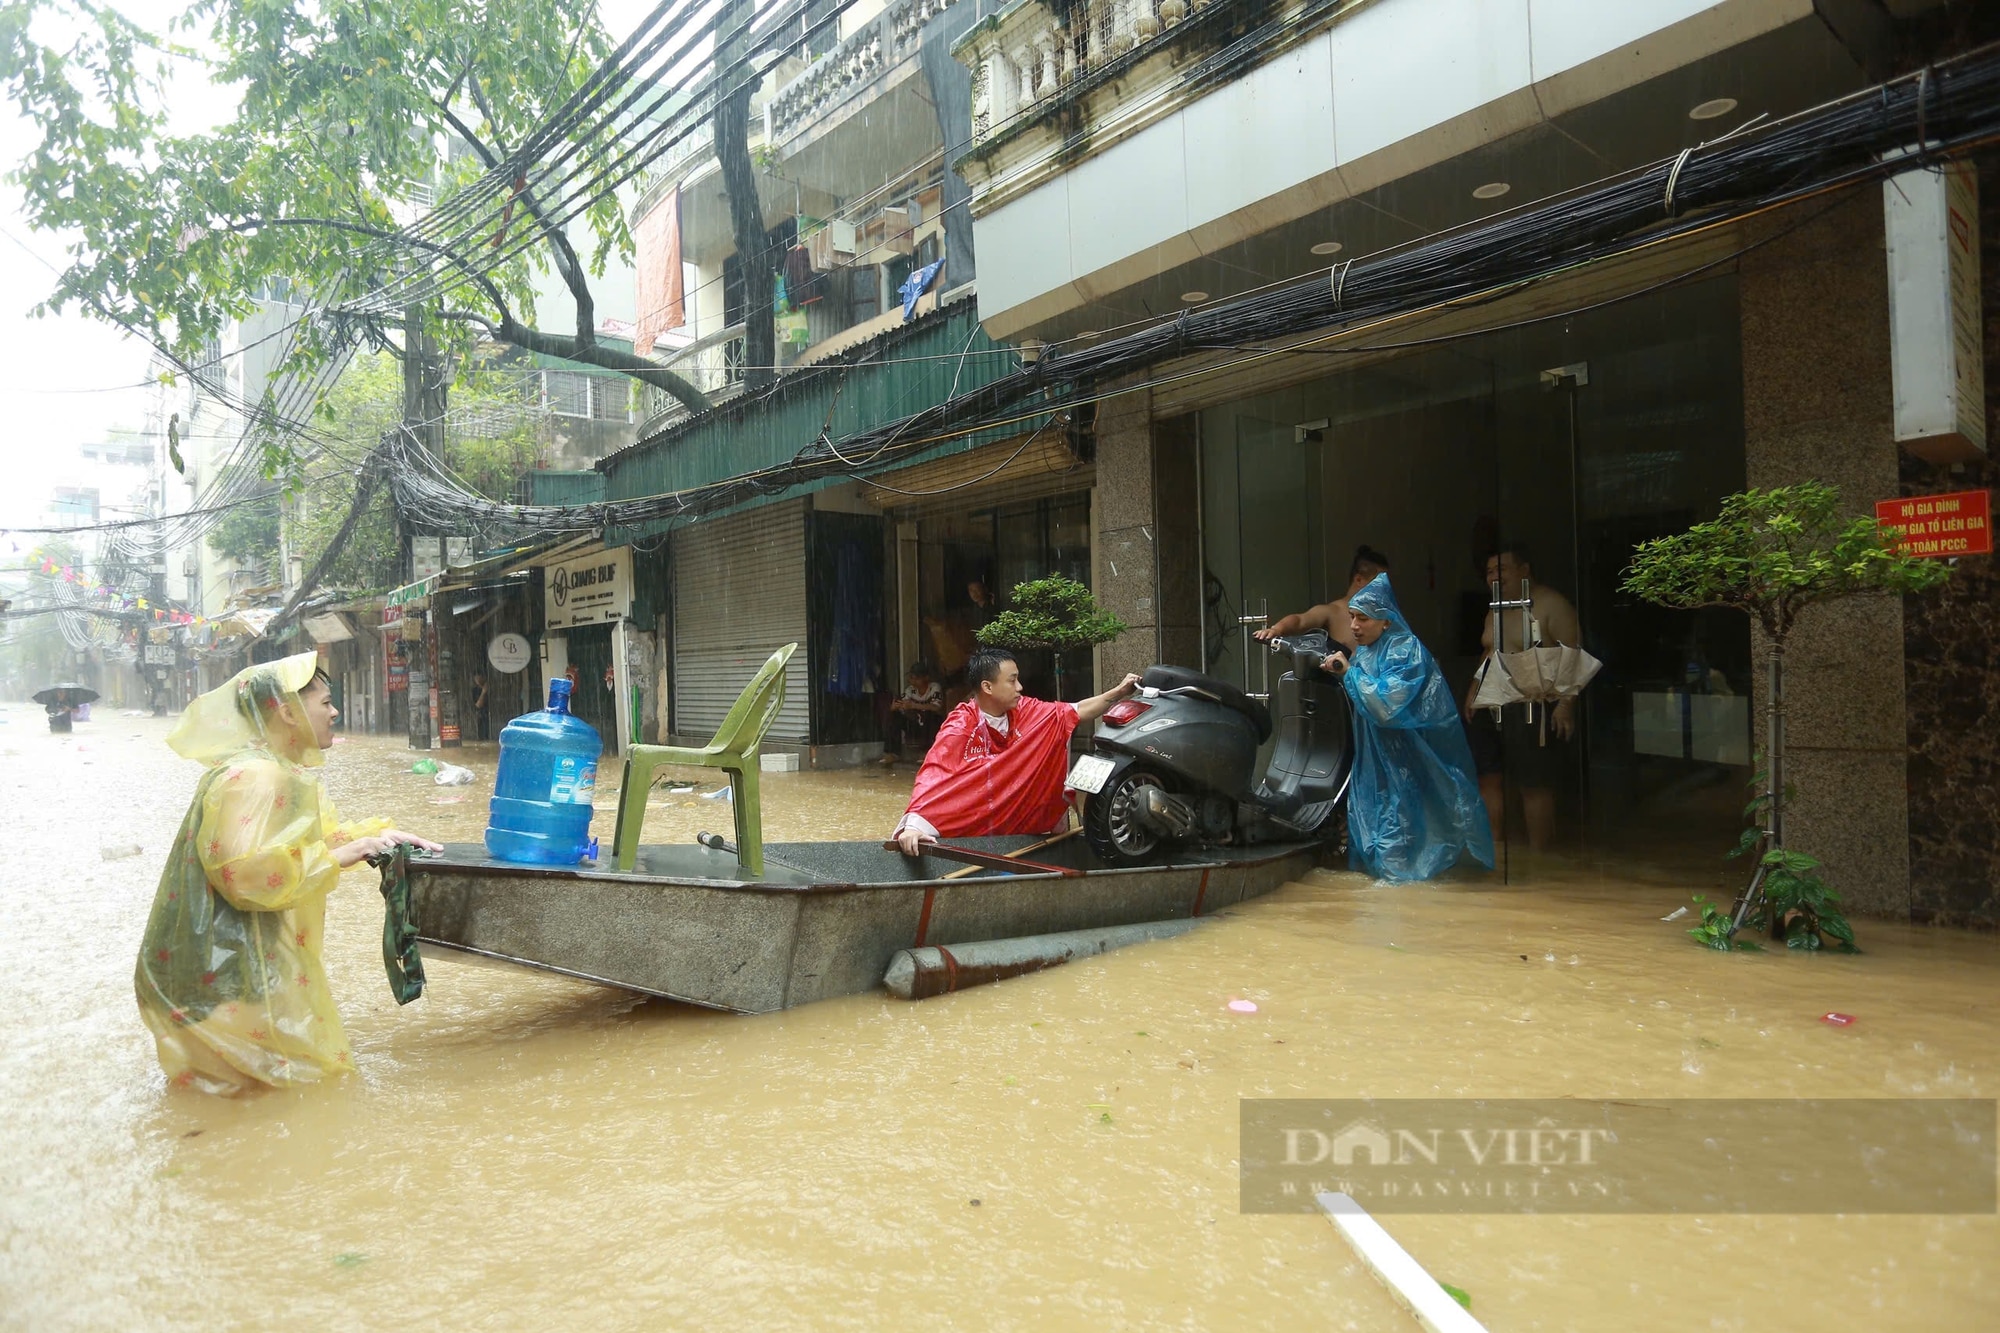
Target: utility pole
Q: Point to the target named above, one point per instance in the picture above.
(423, 419)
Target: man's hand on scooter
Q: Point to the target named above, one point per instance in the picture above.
(1334, 664)
(1128, 686)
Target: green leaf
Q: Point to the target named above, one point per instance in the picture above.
(1458, 1294)
(1053, 613)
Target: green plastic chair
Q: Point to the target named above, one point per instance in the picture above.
(734, 750)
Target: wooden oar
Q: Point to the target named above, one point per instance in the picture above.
(975, 859)
(1051, 841)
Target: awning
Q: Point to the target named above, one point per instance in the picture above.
(249, 620)
(331, 627)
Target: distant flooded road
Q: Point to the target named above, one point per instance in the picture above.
(524, 1152)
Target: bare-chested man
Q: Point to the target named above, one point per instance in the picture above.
(1332, 616)
(1514, 748)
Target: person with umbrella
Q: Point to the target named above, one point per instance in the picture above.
(62, 701)
(1413, 807)
(229, 979)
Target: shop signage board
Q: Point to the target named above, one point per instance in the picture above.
(1936, 327)
(509, 653)
(159, 654)
(590, 590)
(1941, 526)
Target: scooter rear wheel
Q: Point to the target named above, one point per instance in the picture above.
(1110, 823)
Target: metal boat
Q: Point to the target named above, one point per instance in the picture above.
(752, 928)
(823, 919)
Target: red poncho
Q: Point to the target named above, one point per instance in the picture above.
(976, 782)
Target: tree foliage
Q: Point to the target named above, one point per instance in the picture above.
(1054, 613)
(1772, 553)
(365, 402)
(345, 106)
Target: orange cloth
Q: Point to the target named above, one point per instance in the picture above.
(976, 782)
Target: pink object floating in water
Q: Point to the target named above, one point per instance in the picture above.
(1837, 1020)
(1242, 1006)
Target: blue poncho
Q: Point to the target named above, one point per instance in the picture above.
(1414, 803)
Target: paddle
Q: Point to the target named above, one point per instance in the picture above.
(1064, 836)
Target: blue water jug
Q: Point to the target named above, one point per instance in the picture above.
(541, 799)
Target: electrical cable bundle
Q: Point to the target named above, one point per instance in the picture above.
(1945, 110)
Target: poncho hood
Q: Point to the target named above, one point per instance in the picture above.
(257, 708)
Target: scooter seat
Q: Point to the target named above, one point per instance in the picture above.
(1179, 678)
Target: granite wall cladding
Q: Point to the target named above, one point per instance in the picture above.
(1817, 403)
(1951, 643)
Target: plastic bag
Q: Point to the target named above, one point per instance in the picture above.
(451, 775)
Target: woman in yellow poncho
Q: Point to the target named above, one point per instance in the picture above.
(229, 976)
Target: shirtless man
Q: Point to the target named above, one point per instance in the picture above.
(1332, 616)
(1536, 767)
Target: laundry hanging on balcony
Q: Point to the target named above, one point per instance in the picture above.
(916, 285)
(802, 285)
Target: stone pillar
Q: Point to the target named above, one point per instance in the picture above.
(1123, 532)
(1817, 405)
(1177, 511)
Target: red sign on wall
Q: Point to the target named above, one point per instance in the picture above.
(1942, 526)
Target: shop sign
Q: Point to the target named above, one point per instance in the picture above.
(397, 663)
(591, 590)
(509, 653)
(1940, 526)
(159, 654)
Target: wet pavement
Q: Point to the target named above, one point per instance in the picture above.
(521, 1151)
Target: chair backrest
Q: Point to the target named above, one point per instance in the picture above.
(757, 707)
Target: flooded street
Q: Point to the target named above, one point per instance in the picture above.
(522, 1151)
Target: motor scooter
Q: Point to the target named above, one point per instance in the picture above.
(1176, 763)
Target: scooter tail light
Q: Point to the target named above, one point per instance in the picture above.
(1126, 713)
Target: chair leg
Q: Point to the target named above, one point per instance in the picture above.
(746, 796)
(632, 793)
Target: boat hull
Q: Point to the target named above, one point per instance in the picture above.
(824, 921)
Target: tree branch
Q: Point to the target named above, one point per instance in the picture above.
(506, 328)
(568, 267)
(593, 354)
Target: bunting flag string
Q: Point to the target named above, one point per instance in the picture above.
(72, 575)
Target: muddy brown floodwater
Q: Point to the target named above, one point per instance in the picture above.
(522, 1151)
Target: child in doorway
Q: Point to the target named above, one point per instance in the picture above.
(915, 715)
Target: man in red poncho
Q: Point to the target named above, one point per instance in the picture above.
(998, 763)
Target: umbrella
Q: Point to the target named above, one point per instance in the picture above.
(66, 695)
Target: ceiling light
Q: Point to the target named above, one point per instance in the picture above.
(1194, 298)
(1713, 107)
(1328, 248)
(1491, 190)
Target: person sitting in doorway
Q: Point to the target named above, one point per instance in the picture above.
(915, 715)
(998, 763)
(1332, 616)
(1512, 747)
(1413, 805)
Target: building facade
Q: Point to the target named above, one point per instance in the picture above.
(1131, 160)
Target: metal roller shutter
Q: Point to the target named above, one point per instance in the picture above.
(739, 595)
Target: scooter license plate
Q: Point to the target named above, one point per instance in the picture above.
(1088, 774)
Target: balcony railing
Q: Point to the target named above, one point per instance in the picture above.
(881, 44)
(713, 364)
(1026, 55)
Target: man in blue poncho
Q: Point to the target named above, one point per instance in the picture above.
(1414, 804)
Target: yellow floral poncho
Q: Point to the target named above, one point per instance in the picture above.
(229, 976)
